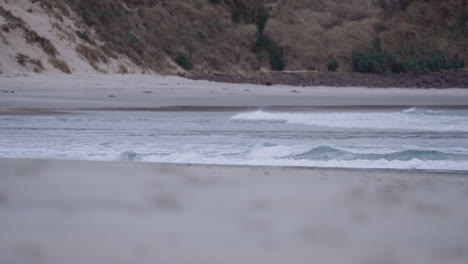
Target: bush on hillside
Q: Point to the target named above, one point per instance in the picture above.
(377, 60)
(184, 61)
(250, 13)
(332, 66)
(272, 48)
(369, 62)
(132, 38)
(277, 61)
(261, 19)
(265, 44)
(457, 63)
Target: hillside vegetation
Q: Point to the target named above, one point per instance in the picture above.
(236, 36)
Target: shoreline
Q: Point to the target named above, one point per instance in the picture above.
(233, 109)
(83, 92)
(462, 174)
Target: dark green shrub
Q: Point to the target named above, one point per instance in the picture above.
(433, 63)
(236, 16)
(377, 60)
(214, 2)
(277, 61)
(265, 43)
(262, 19)
(332, 66)
(396, 65)
(457, 63)
(184, 61)
(416, 64)
(436, 63)
(272, 48)
(98, 13)
(250, 12)
(132, 38)
(369, 62)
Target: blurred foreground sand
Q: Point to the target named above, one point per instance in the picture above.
(104, 212)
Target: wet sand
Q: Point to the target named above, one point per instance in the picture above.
(105, 212)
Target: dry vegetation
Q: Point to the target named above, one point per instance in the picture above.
(222, 35)
(26, 62)
(316, 32)
(60, 64)
(46, 45)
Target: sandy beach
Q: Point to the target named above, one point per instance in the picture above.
(66, 92)
(70, 211)
(103, 212)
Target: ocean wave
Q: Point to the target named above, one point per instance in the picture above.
(321, 156)
(330, 153)
(129, 156)
(411, 110)
(254, 138)
(409, 119)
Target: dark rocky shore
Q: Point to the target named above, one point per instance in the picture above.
(446, 79)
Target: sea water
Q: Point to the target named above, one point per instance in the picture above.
(413, 138)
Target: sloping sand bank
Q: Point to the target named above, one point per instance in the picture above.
(97, 212)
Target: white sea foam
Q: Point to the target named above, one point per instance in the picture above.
(259, 156)
(410, 119)
(263, 152)
(410, 110)
(248, 138)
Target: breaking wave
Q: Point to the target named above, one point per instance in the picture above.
(251, 138)
(320, 156)
(409, 119)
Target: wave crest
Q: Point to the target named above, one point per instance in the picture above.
(409, 119)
